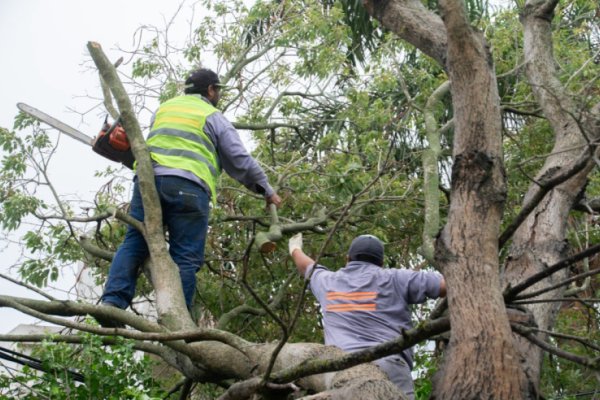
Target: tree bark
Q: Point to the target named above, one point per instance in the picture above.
(540, 240)
(411, 21)
(467, 249)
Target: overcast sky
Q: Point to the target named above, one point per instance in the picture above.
(45, 64)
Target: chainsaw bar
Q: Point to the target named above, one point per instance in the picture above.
(53, 122)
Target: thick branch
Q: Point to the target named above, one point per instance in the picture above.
(409, 338)
(65, 308)
(411, 21)
(165, 276)
(558, 285)
(78, 339)
(544, 186)
(187, 357)
(108, 104)
(151, 331)
(95, 251)
(511, 292)
(431, 192)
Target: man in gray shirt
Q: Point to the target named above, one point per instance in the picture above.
(190, 142)
(364, 304)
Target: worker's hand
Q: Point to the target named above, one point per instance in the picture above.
(295, 243)
(274, 199)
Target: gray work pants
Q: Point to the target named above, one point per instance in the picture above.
(399, 373)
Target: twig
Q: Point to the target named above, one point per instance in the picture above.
(186, 389)
(529, 334)
(268, 310)
(559, 300)
(175, 388)
(246, 309)
(28, 286)
(568, 337)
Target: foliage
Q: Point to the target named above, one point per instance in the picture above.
(564, 378)
(427, 362)
(87, 371)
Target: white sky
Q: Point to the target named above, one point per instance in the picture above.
(43, 45)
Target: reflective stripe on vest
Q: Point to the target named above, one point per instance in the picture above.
(177, 139)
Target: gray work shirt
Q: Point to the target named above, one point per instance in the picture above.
(364, 305)
(233, 157)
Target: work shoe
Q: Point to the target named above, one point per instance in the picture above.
(109, 322)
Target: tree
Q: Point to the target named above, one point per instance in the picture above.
(303, 80)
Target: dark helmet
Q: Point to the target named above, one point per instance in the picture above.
(366, 248)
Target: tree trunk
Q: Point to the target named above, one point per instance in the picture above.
(481, 361)
(364, 381)
(541, 239)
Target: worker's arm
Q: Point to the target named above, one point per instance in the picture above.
(236, 160)
(301, 260)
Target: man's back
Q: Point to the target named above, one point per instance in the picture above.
(364, 305)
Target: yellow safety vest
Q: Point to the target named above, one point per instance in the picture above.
(177, 139)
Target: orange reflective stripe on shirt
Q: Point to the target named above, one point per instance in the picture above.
(351, 295)
(351, 301)
(351, 307)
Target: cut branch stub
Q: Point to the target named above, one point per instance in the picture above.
(265, 242)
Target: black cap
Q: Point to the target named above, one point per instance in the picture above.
(200, 80)
(366, 248)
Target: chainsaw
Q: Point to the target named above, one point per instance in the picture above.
(110, 143)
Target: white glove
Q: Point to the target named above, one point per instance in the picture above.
(295, 243)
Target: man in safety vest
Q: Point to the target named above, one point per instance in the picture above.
(190, 141)
(364, 304)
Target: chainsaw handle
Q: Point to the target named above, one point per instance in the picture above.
(113, 126)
